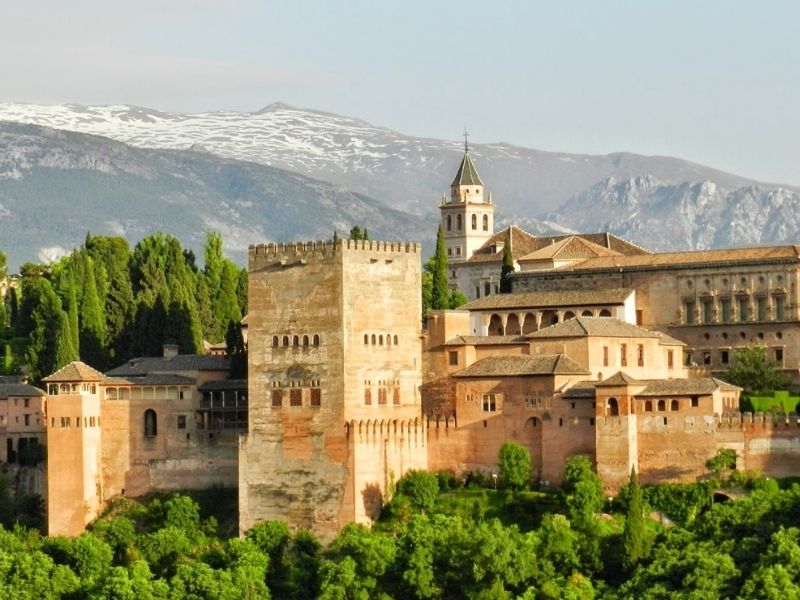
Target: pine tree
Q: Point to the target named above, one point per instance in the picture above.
(355, 233)
(508, 266)
(440, 293)
(633, 536)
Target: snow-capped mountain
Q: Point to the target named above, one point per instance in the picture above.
(659, 202)
(57, 185)
(408, 172)
(701, 215)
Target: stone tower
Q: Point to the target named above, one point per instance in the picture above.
(467, 218)
(334, 375)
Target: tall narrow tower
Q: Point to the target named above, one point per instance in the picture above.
(467, 218)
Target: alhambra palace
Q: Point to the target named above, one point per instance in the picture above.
(602, 348)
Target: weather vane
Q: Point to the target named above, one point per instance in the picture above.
(466, 140)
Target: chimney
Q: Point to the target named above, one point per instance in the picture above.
(170, 350)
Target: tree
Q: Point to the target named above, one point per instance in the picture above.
(365, 235)
(457, 298)
(722, 462)
(508, 266)
(421, 487)
(440, 292)
(755, 372)
(355, 233)
(633, 535)
(515, 465)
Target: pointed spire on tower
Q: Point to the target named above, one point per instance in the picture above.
(467, 173)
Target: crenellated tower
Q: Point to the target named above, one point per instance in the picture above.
(467, 217)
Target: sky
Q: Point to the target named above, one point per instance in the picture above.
(712, 81)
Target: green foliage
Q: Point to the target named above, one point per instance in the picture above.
(514, 461)
(633, 536)
(753, 371)
(421, 488)
(722, 462)
(508, 266)
(440, 292)
(457, 298)
(778, 401)
(355, 233)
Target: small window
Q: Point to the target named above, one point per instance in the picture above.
(613, 407)
(316, 397)
(648, 406)
(285, 340)
(605, 356)
(458, 222)
(316, 339)
(368, 396)
(382, 395)
(662, 406)
(674, 405)
(670, 359)
(487, 288)
(695, 402)
(396, 396)
(623, 355)
(779, 356)
(449, 223)
(150, 423)
(296, 341)
(640, 354)
(366, 339)
(724, 357)
(181, 421)
(453, 358)
(395, 340)
(296, 397)
(486, 222)
(706, 358)
(489, 403)
(474, 221)
(27, 402)
(305, 340)
(275, 341)
(277, 398)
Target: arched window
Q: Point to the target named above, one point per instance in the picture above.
(366, 339)
(449, 222)
(605, 313)
(150, 423)
(295, 341)
(316, 339)
(286, 340)
(661, 406)
(569, 315)
(474, 221)
(395, 340)
(374, 339)
(613, 407)
(388, 340)
(586, 313)
(305, 340)
(275, 343)
(486, 222)
(648, 406)
(380, 340)
(458, 222)
(674, 405)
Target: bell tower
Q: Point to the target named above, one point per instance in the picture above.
(467, 218)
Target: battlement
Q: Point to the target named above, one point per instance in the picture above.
(293, 252)
(749, 420)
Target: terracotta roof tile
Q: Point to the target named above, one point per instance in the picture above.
(550, 299)
(147, 365)
(570, 248)
(600, 327)
(486, 340)
(75, 371)
(19, 389)
(509, 366)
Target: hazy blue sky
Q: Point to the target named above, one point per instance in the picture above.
(717, 82)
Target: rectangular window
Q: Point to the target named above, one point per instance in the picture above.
(761, 308)
(453, 358)
(725, 309)
(605, 356)
(639, 316)
(396, 396)
(780, 308)
(706, 358)
(296, 397)
(487, 289)
(181, 421)
(708, 311)
(489, 403)
(368, 396)
(695, 402)
(27, 420)
(316, 397)
(778, 358)
(744, 306)
(640, 355)
(277, 398)
(65, 422)
(623, 355)
(688, 312)
(92, 422)
(27, 402)
(670, 359)
(724, 357)
(477, 291)
(382, 395)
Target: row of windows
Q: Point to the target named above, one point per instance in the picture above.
(449, 222)
(295, 341)
(53, 389)
(623, 356)
(290, 383)
(529, 323)
(377, 340)
(705, 357)
(65, 422)
(744, 282)
(382, 396)
(454, 251)
(740, 309)
(297, 397)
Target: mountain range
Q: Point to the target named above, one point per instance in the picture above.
(662, 203)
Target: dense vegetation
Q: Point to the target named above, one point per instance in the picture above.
(105, 303)
(438, 538)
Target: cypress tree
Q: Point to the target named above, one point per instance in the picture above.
(508, 266)
(440, 292)
(633, 536)
(92, 321)
(365, 235)
(241, 291)
(71, 302)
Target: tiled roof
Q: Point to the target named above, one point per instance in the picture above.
(467, 174)
(653, 387)
(595, 326)
(550, 299)
(700, 257)
(523, 244)
(224, 384)
(486, 340)
(75, 371)
(570, 248)
(19, 389)
(509, 366)
(141, 366)
(158, 379)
